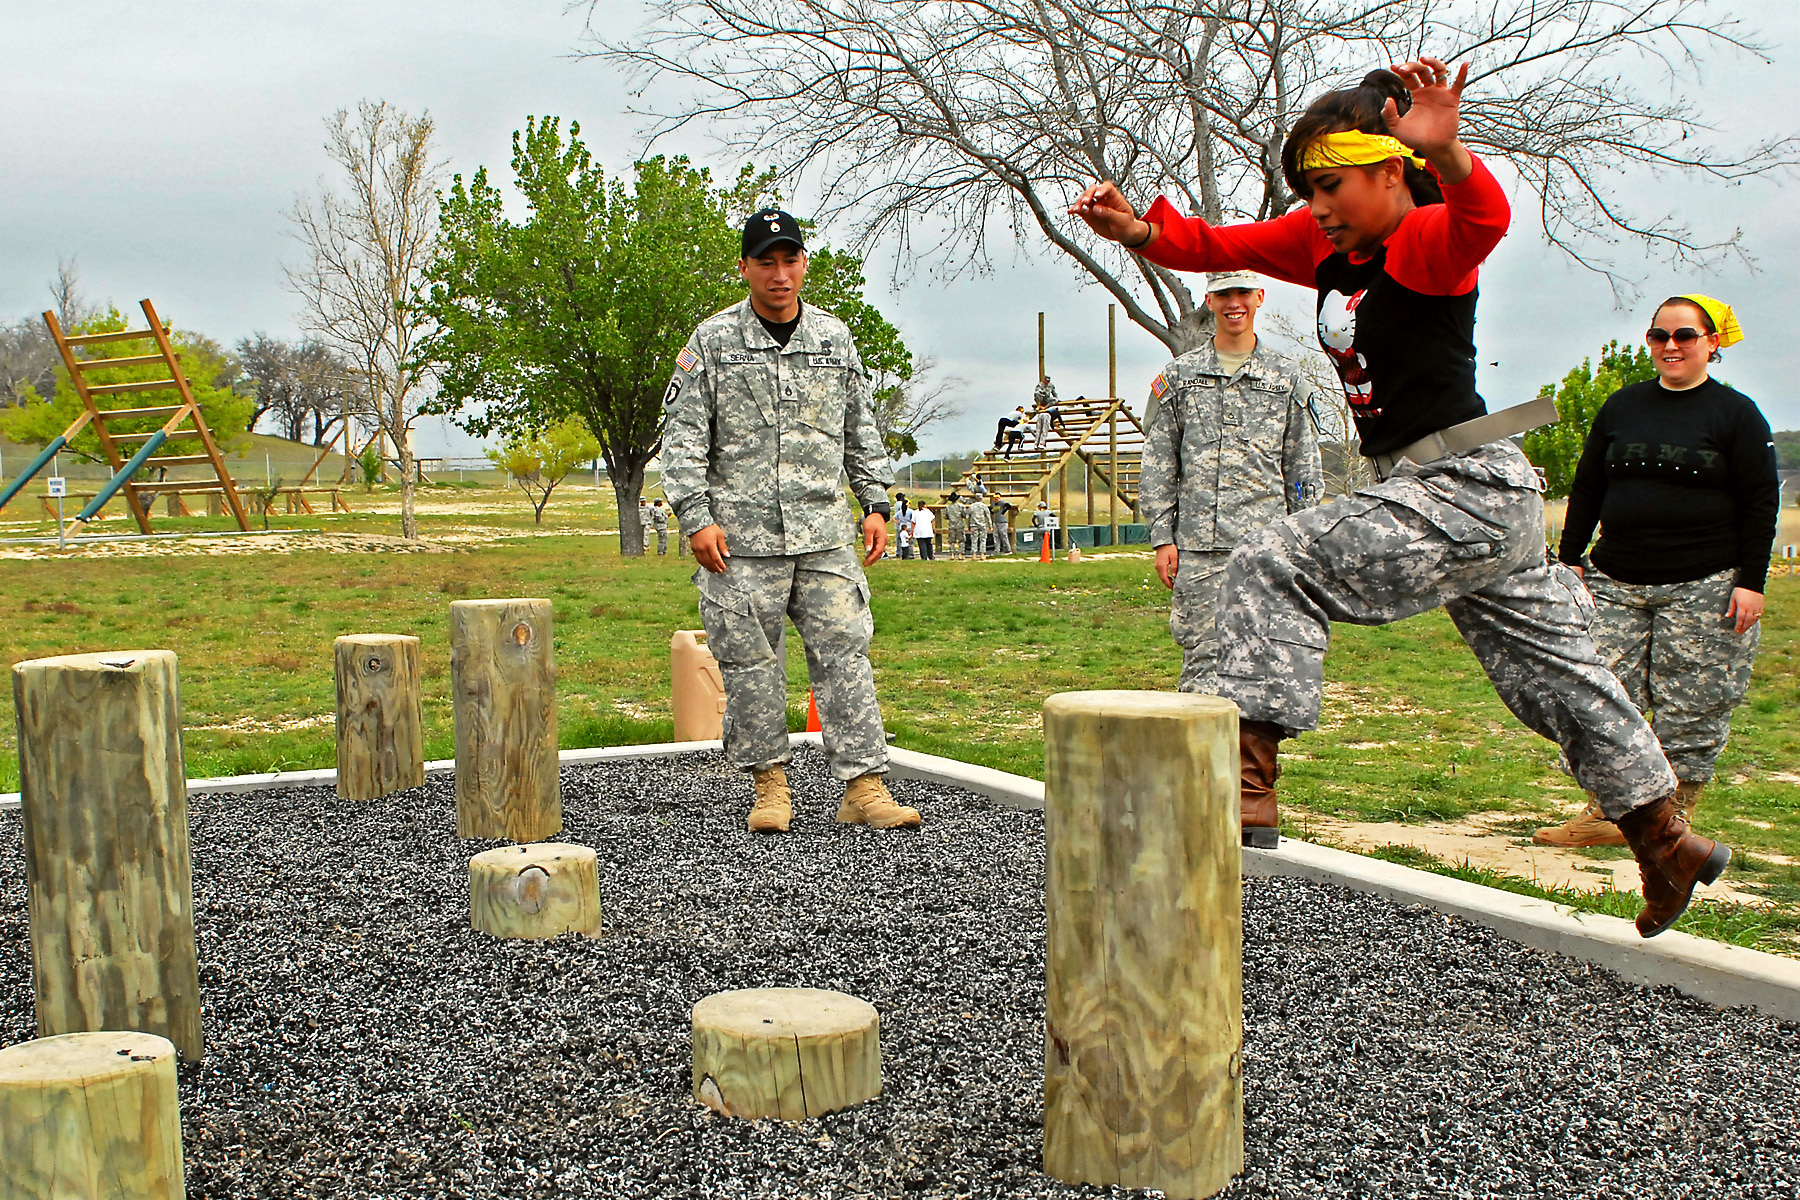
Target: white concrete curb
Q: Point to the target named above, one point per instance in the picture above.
(1724, 975)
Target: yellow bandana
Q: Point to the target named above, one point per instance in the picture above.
(1354, 148)
(1725, 322)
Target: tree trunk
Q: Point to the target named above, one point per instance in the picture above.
(108, 879)
(535, 891)
(790, 1053)
(409, 520)
(503, 688)
(1144, 942)
(380, 729)
(628, 487)
(90, 1115)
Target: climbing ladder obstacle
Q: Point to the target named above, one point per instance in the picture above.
(141, 427)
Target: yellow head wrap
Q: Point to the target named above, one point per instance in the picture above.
(1354, 148)
(1725, 322)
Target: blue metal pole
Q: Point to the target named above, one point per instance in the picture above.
(125, 472)
(32, 468)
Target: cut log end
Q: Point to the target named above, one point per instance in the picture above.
(790, 1053)
(535, 891)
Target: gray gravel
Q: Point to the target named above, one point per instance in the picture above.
(365, 1043)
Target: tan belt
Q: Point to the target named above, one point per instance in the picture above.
(1460, 439)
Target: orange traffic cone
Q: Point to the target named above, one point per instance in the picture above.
(1044, 546)
(812, 714)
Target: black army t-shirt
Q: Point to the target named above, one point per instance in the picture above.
(1681, 484)
(781, 331)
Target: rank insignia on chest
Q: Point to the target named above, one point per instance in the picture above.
(826, 360)
(687, 360)
(1159, 387)
(737, 358)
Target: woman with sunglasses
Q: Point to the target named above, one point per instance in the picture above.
(1457, 520)
(1679, 472)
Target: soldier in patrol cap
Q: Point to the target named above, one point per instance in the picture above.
(768, 411)
(1229, 446)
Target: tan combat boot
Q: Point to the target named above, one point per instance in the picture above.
(774, 806)
(1588, 828)
(868, 802)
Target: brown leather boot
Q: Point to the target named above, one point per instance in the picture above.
(1258, 742)
(774, 806)
(868, 802)
(1673, 859)
(1687, 795)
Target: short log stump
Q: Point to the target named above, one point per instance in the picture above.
(790, 1053)
(535, 891)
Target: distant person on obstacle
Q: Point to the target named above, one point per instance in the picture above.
(768, 408)
(1679, 474)
(1457, 518)
(1228, 447)
(1008, 431)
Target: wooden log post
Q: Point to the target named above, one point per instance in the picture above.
(535, 891)
(108, 880)
(380, 726)
(1144, 958)
(90, 1115)
(790, 1053)
(503, 683)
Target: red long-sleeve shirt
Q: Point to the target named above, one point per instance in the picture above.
(1398, 324)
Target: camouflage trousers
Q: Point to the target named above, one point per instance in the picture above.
(1680, 658)
(662, 541)
(827, 597)
(1466, 533)
(1194, 617)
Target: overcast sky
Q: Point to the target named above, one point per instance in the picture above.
(162, 145)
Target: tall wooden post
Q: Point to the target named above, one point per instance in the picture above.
(108, 881)
(90, 1115)
(1144, 964)
(1112, 424)
(1062, 506)
(503, 684)
(1041, 375)
(380, 726)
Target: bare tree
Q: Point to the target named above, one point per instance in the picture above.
(905, 408)
(942, 123)
(301, 385)
(367, 247)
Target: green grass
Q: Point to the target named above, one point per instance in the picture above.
(964, 655)
(1756, 927)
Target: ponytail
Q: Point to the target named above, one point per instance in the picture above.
(1361, 107)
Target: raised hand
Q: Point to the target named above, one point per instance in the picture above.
(1107, 213)
(1429, 126)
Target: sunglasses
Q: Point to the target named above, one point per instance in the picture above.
(1685, 336)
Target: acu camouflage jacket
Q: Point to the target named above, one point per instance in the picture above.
(1226, 455)
(757, 438)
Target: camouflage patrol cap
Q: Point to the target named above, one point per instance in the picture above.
(1224, 281)
(768, 228)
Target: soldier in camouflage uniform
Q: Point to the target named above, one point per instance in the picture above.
(956, 525)
(769, 409)
(980, 526)
(659, 521)
(1228, 447)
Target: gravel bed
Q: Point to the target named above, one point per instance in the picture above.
(363, 1042)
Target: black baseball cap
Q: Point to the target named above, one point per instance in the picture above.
(767, 228)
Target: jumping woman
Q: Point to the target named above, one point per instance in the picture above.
(1398, 217)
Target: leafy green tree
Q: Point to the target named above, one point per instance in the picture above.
(1557, 448)
(212, 374)
(537, 462)
(580, 308)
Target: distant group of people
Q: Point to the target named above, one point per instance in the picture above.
(974, 526)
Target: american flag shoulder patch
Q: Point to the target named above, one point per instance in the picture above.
(1158, 387)
(687, 360)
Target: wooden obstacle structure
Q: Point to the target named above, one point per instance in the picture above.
(503, 687)
(1103, 435)
(146, 427)
(1144, 945)
(790, 1053)
(380, 722)
(535, 891)
(90, 1115)
(109, 883)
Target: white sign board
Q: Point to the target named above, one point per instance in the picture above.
(58, 486)
(1052, 521)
